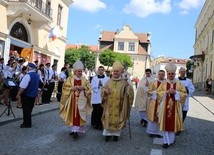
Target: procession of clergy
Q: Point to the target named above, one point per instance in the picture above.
(162, 103)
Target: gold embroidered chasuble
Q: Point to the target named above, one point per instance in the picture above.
(141, 98)
(116, 105)
(152, 106)
(170, 110)
(73, 101)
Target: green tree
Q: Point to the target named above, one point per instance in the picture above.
(189, 67)
(83, 54)
(108, 57)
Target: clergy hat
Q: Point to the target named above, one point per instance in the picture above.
(170, 67)
(78, 65)
(117, 66)
(31, 65)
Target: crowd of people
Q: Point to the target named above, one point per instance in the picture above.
(24, 89)
(162, 103)
(16, 69)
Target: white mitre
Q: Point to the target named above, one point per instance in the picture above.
(78, 65)
(117, 66)
(170, 67)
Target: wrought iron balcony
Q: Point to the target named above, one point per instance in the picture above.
(39, 5)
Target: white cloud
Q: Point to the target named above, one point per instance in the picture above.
(89, 5)
(187, 5)
(144, 8)
(184, 12)
(98, 26)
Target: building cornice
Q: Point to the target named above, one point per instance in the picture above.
(67, 2)
(205, 26)
(203, 11)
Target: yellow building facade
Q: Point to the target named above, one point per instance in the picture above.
(37, 25)
(136, 45)
(203, 57)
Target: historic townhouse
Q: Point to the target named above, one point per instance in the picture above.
(35, 29)
(136, 45)
(204, 45)
(160, 62)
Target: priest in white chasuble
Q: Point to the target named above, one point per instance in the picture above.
(171, 96)
(117, 99)
(141, 97)
(75, 101)
(152, 106)
(189, 88)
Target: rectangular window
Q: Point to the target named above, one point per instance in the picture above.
(48, 8)
(1, 47)
(211, 68)
(59, 16)
(213, 36)
(39, 4)
(131, 46)
(121, 46)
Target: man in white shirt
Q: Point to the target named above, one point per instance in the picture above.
(53, 76)
(45, 99)
(27, 94)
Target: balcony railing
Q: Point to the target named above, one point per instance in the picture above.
(42, 7)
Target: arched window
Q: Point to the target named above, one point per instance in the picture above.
(18, 31)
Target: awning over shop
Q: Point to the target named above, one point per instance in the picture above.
(20, 43)
(198, 57)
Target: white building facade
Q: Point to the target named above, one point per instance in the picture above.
(26, 26)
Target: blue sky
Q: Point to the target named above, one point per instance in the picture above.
(171, 22)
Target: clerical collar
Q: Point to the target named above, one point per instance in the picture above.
(76, 78)
(160, 80)
(101, 76)
(171, 81)
(180, 78)
(118, 79)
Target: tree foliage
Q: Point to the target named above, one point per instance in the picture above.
(83, 54)
(108, 57)
(189, 67)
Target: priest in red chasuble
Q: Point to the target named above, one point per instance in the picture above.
(152, 106)
(75, 101)
(171, 95)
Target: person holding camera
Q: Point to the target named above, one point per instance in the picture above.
(9, 73)
(27, 94)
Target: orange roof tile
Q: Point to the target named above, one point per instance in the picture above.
(174, 60)
(93, 48)
(109, 36)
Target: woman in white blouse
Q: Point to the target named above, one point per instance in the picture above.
(41, 73)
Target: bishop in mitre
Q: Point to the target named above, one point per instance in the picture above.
(117, 99)
(75, 101)
(171, 95)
